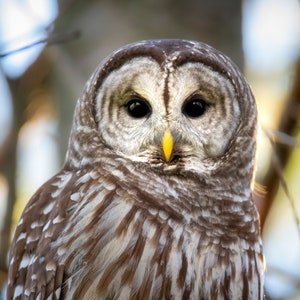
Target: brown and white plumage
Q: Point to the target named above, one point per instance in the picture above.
(122, 220)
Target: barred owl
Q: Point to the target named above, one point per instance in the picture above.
(154, 200)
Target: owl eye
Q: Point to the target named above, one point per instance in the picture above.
(138, 108)
(194, 107)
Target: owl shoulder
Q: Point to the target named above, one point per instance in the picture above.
(28, 272)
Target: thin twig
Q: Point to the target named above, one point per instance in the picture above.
(279, 170)
(282, 138)
(281, 143)
(50, 40)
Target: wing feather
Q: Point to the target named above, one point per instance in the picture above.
(34, 273)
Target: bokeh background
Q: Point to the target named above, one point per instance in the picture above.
(49, 48)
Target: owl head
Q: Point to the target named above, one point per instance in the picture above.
(167, 105)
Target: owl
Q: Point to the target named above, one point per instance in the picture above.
(154, 200)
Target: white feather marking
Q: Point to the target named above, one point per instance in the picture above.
(50, 266)
(48, 208)
(163, 215)
(24, 262)
(46, 226)
(21, 221)
(62, 179)
(32, 260)
(148, 230)
(18, 291)
(94, 175)
(56, 193)
(27, 292)
(109, 186)
(118, 174)
(248, 218)
(75, 196)
(32, 239)
(22, 236)
(61, 251)
(57, 220)
(152, 211)
(36, 224)
(57, 293)
(48, 235)
(33, 277)
(83, 179)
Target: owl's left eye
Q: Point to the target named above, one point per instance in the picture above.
(138, 108)
(194, 107)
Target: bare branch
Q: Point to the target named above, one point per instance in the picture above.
(282, 148)
(284, 185)
(50, 40)
(282, 138)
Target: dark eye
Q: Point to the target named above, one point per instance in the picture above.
(138, 108)
(194, 107)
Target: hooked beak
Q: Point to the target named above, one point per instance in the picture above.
(167, 144)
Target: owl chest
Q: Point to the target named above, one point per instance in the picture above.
(139, 256)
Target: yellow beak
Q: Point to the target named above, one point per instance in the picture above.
(167, 144)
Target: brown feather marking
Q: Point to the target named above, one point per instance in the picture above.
(136, 253)
(125, 222)
(183, 271)
(162, 257)
(144, 290)
(245, 285)
(133, 248)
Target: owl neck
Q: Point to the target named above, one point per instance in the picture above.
(221, 199)
(227, 209)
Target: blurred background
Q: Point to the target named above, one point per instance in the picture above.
(49, 48)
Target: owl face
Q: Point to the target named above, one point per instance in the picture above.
(142, 100)
(168, 105)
